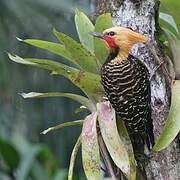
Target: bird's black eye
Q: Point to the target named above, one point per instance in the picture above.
(111, 33)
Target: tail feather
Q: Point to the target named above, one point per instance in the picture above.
(150, 134)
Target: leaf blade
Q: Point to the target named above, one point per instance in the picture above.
(83, 27)
(174, 44)
(55, 48)
(103, 22)
(81, 79)
(81, 99)
(73, 157)
(167, 21)
(26, 162)
(128, 145)
(9, 154)
(90, 148)
(114, 144)
(62, 125)
(172, 126)
(84, 59)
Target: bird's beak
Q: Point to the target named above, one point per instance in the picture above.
(96, 34)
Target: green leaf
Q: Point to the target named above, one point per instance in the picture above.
(84, 58)
(103, 22)
(60, 175)
(171, 7)
(66, 124)
(38, 171)
(167, 21)
(55, 48)
(73, 157)
(124, 136)
(81, 99)
(84, 26)
(9, 154)
(27, 161)
(90, 148)
(172, 126)
(33, 159)
(115, 145)
(174, 44)
(88, 82)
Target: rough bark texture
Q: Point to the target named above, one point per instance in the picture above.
(142, 16)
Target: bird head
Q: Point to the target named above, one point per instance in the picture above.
(120, 37)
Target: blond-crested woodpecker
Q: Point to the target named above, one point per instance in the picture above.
(126, 83)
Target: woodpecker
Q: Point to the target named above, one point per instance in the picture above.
(126, 83)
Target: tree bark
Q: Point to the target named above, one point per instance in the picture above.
(142, 16)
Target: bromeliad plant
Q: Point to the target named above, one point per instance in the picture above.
(100, 133)
(86, 59)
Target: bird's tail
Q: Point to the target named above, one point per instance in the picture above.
(140, 140)
(150, 135)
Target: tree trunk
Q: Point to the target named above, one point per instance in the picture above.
(142, 16)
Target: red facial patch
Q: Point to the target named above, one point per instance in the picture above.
(110, 41)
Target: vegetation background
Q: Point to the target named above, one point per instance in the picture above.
(23, 120)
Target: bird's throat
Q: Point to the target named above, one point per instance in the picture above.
(121, 56)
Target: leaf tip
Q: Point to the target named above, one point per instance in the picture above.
(19, 39)
(54, 31)
(11, 56)
(30, 95)
(45, 131)
(22, 95)
(54, 73)
(77, 11)
(157, 148)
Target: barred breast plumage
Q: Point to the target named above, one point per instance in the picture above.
(127, 87)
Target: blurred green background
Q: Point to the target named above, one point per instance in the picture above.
(23, 120)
